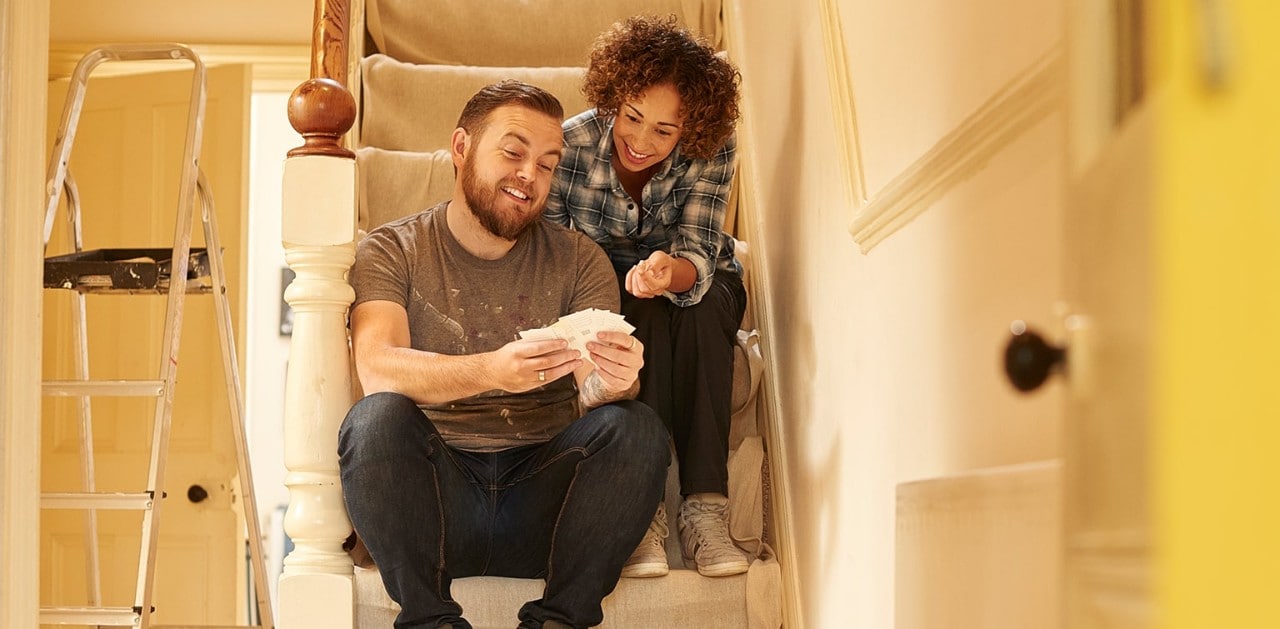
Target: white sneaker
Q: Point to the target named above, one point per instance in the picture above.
(650, 557)
(704, 536)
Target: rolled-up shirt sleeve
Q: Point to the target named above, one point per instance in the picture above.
(700, 231)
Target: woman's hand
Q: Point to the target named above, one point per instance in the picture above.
(652, 276)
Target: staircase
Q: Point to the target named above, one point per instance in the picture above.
(419, 64)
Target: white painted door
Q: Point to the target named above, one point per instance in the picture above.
(1108, 284)
(1107, 329)
(127, 162)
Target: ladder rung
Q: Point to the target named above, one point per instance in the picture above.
(101, 500)
(114, 388)
(111, 616)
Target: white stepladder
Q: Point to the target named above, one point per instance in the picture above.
(175, 272)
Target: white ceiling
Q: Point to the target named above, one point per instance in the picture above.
(184, 21)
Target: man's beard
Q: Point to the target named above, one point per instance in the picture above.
(504, 225)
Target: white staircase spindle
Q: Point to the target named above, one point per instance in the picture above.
(316, 589)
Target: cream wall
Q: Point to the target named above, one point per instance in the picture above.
(886, 365)
(270, 138)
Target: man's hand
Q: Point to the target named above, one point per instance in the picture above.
(618, 358)
(523, 365)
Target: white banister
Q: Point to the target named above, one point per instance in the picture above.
(316, 589)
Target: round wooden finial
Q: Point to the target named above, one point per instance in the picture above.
(321, 110)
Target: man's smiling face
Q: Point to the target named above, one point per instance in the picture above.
(507, 172)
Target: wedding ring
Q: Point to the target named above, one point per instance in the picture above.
(542, 376)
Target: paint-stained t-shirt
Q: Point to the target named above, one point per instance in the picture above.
(459, 304)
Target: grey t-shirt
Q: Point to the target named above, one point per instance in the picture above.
(459, 304)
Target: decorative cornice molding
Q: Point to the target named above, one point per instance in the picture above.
(1029, 97)
(276, 68)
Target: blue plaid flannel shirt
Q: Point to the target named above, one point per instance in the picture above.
(682, 213)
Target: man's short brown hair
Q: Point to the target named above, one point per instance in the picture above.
(509, 92)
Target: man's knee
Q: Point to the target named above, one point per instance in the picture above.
(377, 416)
(640, 427)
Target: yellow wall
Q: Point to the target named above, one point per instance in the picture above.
(1217, 401)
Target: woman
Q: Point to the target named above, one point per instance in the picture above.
(646, 174)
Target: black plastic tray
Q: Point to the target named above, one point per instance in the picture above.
(120, 269)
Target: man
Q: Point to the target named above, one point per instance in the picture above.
(478, 454)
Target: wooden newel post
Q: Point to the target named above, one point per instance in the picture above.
(322, 111)
(319, 227)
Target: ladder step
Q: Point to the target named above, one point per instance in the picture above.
(101, 500)
(109, 616)
(114, 388)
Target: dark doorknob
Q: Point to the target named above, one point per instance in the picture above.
(197, 494)
(1028, 359)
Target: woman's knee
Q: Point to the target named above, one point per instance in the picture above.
(726, 300)
(639, 310)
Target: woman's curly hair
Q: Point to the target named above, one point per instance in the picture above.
(643, 51)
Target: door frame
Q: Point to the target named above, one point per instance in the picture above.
(24, 42)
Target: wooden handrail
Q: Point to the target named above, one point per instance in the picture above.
(322, 108)
(330, 40)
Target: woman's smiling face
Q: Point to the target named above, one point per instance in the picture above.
(647, 128)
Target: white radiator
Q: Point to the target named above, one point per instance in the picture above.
(980, 550)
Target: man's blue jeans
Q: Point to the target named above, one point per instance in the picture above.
(570, 510)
